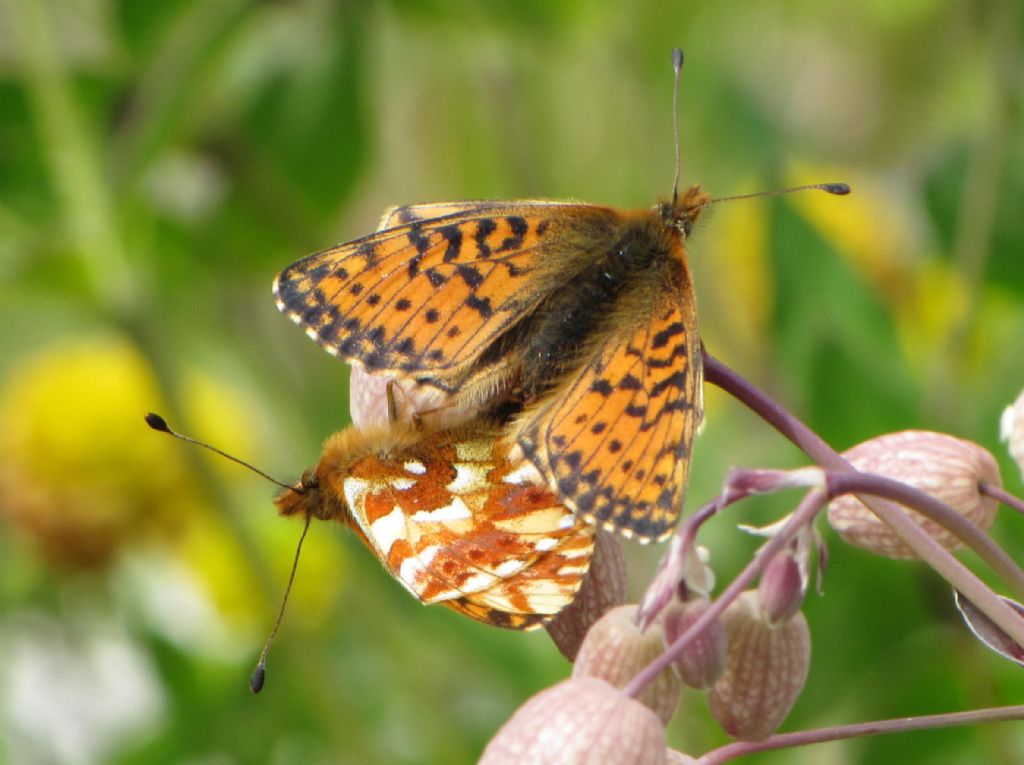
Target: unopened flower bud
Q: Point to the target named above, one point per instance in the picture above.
(703, 660)
(580, 720)
(764, 673)
(782, 588)
(1011, 428)
(941, 465)
(604, 587)
(616, 650)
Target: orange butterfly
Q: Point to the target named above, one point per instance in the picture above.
(451, 519)
(582, 316)
(583, 313)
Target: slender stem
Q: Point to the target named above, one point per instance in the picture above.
(811, 504)
(1000, 494)
(897, 519)
(940, 512)
(857, 730)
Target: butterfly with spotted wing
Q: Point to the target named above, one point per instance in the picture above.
(584, 316)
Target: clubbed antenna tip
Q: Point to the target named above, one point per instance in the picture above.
(156, 422)
(839, 189)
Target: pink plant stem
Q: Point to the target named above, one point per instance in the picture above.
(940, 512)
(804, 514)
(896, 518)
(857, 730)
(890, 513)
(1000, 494)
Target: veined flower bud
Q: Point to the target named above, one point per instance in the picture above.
(703, 660)
(616, 650)
(764, 673)
(1011, 430)
(941, 465)
(580, 720)
(604, 587)
(782, 588)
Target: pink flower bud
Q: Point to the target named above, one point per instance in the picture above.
(765, 670)
(616, 650)
(1011, 428)
(782, 588)
(703, 660)
(604, 587)
(580, 720)
(945, 467)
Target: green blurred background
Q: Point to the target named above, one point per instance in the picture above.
(160, 162)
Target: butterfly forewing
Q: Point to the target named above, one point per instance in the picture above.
(425, 298)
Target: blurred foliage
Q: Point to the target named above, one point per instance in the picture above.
(159, 162)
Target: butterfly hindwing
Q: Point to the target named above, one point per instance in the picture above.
(456, 522)
(542, 590)
(615, 443)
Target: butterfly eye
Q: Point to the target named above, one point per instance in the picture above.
(309, 480)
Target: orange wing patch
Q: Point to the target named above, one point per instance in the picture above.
(426, 297)
(528, 600)
(615, 445)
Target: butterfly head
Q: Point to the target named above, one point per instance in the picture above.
(309, 498)
(682, 212)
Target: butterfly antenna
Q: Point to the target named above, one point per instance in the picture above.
(839, 189)
(259, 675)
(158, 423)
(677, 66)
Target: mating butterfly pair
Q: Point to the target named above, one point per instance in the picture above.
(580, 321)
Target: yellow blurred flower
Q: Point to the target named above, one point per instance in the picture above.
(79, 474)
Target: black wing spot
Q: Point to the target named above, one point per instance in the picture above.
(453, 234)
(661, 339)
(630, 382)
(481, 306)
(635, 410)
(403, 304)
(602, 386)
(470, 275)
(416, 238)
(372, 299)
(413, 268)
(598, 427)
(568, 485)
(432, 316)
(484, 228)
(676, 380)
